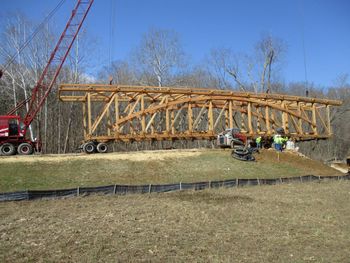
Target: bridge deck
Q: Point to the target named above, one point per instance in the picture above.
(125, 113)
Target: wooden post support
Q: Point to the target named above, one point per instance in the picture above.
(84, 119)
(210, 117)
(230, 113)
(167, 118)
(250, 124)
(172, 122)
(143, 117)
(300, 121)
(116, 110)
(108, 114)
(267, 120)
(329, 120)
(285, 124)
(89, 112)
(189, 116)
(314, 123)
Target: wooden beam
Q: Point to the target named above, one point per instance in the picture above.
(314, 123)
(250, 124)
(89, 112)
(230, 114)
(328, 110)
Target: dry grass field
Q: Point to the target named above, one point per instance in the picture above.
(306, 222)
(155, 167)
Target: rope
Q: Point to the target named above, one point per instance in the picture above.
(111, 32)
(303, 46)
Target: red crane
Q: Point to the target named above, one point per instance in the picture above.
(13, 128)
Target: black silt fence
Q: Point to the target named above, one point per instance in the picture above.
(157, 188)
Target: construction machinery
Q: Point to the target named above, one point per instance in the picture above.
(13, 128)
(230, 138)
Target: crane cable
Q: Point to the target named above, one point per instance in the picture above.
(32, 35)
(302, 13)
(111, 38)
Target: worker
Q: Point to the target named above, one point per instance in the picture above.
(258, 142)
(277, 139)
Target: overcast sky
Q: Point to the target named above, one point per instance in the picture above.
(207, 24)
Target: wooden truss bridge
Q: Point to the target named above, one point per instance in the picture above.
(136, 113)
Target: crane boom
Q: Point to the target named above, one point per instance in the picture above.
(57, 59)
(12, 133)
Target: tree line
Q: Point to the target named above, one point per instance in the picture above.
(158, 60)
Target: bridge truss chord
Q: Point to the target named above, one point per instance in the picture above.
(137, 113)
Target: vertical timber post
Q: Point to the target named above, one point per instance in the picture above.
(167, 117)
(300, 123)
(329, 120)
(89, 112)
(143, 117)
(314, 123)
(285, 118)
(267, 119)
(84, 118)
(250, 126)
(230, 113)
(189, 115)
(116, 110)
(210, 117)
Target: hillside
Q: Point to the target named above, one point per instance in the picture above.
(64, 171)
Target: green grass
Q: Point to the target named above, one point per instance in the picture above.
(306, 222)
(207, 165)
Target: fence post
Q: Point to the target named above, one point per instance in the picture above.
(115, 189)
(258, 181)
(301, 179)
(78, 191)
(209, 184)
(180, 186)
(237, 182)
(149, 188)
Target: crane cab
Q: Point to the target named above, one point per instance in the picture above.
(10, 127)
(12, 140)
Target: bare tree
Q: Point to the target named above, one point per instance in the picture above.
(160, 54)
(225, 63)
(269, 51)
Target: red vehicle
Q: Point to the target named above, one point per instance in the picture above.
(13, 128)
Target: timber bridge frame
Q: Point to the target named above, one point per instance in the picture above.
(137, 113)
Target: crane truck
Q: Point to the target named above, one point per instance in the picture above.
(13, 128)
